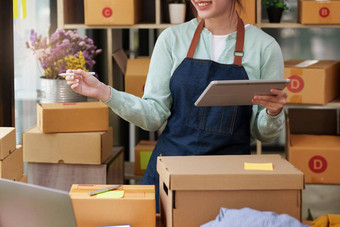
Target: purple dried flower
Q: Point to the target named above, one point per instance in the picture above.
(52, 52)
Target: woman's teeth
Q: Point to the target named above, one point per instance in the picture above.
(202, 4)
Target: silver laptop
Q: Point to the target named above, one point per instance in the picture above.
(29, 205)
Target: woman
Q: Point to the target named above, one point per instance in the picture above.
(185, 59)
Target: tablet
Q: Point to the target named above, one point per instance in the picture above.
(237, 92)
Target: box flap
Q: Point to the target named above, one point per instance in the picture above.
(227, 173)
(137, 67)
(313, 121)
(313, 64)
(121, 58)
(73, 105)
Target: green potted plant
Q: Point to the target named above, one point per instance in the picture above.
(177, 9)
(275, 9)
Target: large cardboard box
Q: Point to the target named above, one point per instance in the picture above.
(313, 143)
(194, 188)
(12, 166)
(248, 13)
(143, 152)
(72, 117)
(7, 141)
(137, 207)
(62, 176)
(68, 148)
(113, 12)
(319, 12)
(312, 81)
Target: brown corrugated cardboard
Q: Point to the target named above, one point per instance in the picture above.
(113, 12)
(143, 151)
(72, 117)
(135, 77)
(319, 12)
(12, 166)
(68, 148)
(312, 81)
(7, 141)
(248, 12)
(23, 179)
(62, 176)
(313, 144)
(137, 208)
(194, 188)
(135, 70)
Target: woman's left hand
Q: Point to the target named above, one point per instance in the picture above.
(273, 104)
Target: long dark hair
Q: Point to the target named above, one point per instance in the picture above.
(235, 2)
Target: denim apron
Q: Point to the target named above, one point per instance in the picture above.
(191, 130)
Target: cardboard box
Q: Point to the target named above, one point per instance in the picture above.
(143, 152)
(113, 12)
(312, 81)
(137, 207)
(135, 71)
(135, 77)
(12, 166)
(62, 176)
(248, 13)
(313, 144)
(24, 178)
(194, 188)
(72, 117)
(7, 141)
(70, 148)
(319, 12)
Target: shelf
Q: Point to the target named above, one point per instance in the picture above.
(294, 24)
(335, 104)
(136, 26)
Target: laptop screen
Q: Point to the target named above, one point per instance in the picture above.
(29, 205)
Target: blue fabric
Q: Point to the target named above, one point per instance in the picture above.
(247, 217)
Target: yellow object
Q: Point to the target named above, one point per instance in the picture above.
(258, 166)
(331, 220)
(111, 194)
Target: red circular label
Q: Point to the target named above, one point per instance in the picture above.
(143, 87)
(317, 164)
(324, 12)
(107, 12)
(296, 84)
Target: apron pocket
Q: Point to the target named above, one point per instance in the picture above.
(219, 119)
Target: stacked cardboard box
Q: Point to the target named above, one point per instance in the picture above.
(133, 205)
(143, 151)
(313, 143)
(11, 155)
(194, 188)
(72, 139)
(312, 81)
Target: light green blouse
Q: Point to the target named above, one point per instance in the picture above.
(262, 60)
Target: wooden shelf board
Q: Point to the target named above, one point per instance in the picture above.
(294, 24)
(136, 26)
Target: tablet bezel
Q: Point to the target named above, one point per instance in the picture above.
(240, 92)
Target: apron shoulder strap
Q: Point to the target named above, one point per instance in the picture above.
(195, 39)
(238, 54)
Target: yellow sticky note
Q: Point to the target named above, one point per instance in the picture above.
(258, 166)
(111, 194)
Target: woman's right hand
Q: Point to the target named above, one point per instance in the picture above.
(86, 84)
